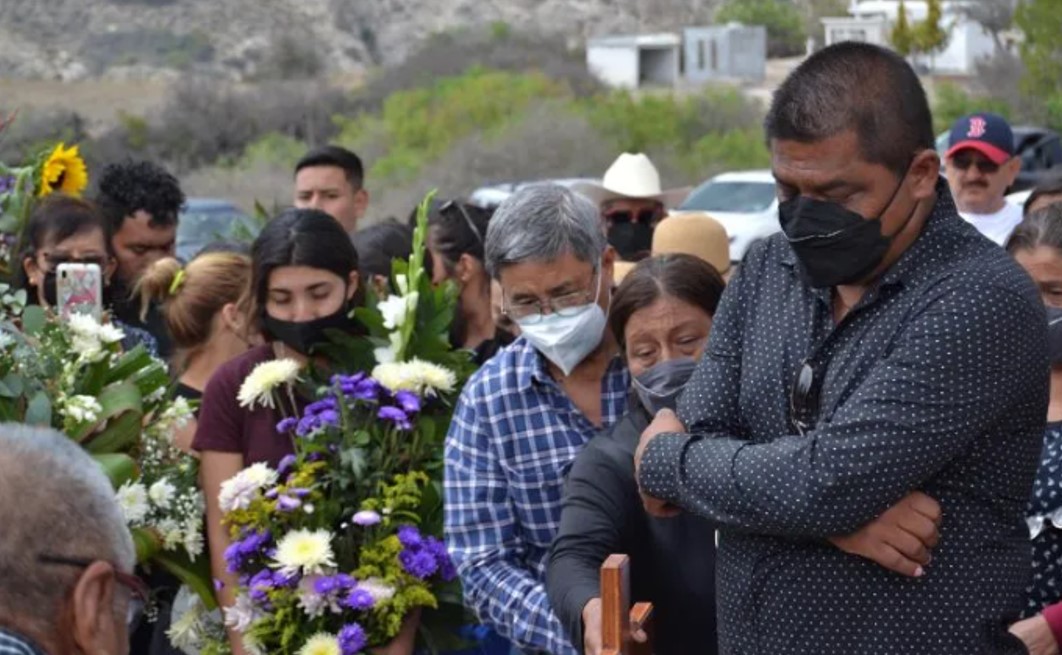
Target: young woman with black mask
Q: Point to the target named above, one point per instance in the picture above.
(304, 278)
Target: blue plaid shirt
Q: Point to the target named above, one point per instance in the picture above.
(513, 438)
(12, 643)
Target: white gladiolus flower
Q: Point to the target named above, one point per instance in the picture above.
(161, 493)
(309, 552)
(267, 377)
(238, 491)
(416, 375)
(393, 311)
(133, 500)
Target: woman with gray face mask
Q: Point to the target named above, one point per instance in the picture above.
(1036, 244)
(660, 315)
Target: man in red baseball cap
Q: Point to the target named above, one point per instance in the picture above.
(981, 166)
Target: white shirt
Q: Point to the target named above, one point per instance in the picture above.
(997, 226)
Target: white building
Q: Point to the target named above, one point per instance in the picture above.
(629, 62)
(872, 20)
(731, 52)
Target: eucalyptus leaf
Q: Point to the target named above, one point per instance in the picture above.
(39, 410)
(33, 320)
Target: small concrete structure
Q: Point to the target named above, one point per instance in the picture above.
(630, 62)
(725, 52)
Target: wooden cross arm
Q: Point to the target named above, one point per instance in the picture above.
(618, 618)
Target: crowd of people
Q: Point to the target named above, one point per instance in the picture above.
(848, 442)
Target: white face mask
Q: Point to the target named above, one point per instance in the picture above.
(567, 340)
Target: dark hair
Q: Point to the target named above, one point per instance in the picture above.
(335, 156)
(57, 219)
(299, 237)
(458, 228)
(1043, 227)
(1049, 187)
(379, 244)
(855, 86)
(685, 277)
(131, 186)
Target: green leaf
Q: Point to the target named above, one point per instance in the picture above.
(39, 410)
(33, 319)
(196, 574)
(121, 420)
(128, 364)
(147, 544)
(119, 468)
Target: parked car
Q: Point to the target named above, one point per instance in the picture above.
(745, 202)
(1039, 148)
(205, 220)
(493, 195)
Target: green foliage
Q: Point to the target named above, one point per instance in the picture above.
(929, 36)
(1041, 50)
(902, 36)
(271, 148)
(785, 27)
(420, 125)
(952, 102)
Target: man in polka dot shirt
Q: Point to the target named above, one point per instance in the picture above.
(877, 347)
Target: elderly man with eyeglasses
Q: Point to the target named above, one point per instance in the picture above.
(531, 408)
(981, 165)
(66, 556)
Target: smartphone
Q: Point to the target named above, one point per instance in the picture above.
(79, 289)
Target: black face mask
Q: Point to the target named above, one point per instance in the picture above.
(1054, 335)
(304, 336)
(834, 245)
(631, 240)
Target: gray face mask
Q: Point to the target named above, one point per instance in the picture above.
(659, 387)
(1054, 335)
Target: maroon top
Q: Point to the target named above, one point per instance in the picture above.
(226, 427)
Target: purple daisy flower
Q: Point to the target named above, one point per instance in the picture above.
(410, 536)
(408, 401)
(366, 518)
(286, 425)
(418, 562)
(326, 585)
(359, 600)
(365, 389)
(287, 463)
(352, 639)
(288, 504)
(396, 416)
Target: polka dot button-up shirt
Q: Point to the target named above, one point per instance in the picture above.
(935, 381)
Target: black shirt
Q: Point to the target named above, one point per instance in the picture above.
(672, 560)
(936, 381)
(127, 310)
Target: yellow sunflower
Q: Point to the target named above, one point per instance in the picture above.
(63, 171)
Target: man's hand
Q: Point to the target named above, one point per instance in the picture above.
(592, 627)
(1036, 635)
(901, 538)
(665, 422)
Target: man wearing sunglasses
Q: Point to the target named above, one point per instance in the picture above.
(65, 552)
(876, 349)
(981, 166)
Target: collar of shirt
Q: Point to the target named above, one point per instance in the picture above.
(12, 643)
(532, 367)
(910, 268)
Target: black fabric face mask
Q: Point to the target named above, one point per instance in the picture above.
(304, 336)
(631, 240)
(660, 386)
(834, 245)
(1054, 335)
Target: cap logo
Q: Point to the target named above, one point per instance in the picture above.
(977, 128)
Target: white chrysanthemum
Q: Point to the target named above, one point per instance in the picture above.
(193, 538)
(266, 378)
(238, 491)
(321, 643)
(82, 409)
(170, 532)
(415, 375)
(305, 551)
(133, 500)
(108, 333)
(185, 632)
(377, 588)
(241, 614)
(161, 493)
(83, 325)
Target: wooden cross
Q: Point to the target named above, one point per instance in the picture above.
(618, 618)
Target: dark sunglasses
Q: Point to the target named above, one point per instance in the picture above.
(964, 161)
(138, 591)
(451, 205)
(645, 216)
(804, 397)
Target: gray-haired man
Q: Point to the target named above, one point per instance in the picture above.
(65, 553)
(524, 416)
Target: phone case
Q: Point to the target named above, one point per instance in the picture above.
(79, 290)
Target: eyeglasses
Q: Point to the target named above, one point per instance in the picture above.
(646, 216)
(55, 260)
(804, 397)
(963, 161)
(138, 591)
(569, 304)
(450, 205)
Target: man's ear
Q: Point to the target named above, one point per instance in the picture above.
(1011, 169)
(361, 202)
(925, 172)
(93, 606)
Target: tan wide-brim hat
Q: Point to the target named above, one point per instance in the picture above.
(690, 233)
(631, 176)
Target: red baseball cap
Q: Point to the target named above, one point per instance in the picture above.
(987, 133)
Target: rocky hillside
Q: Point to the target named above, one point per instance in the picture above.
(245, 39)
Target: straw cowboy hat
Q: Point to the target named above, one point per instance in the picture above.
(691, 233)
(631, 176)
